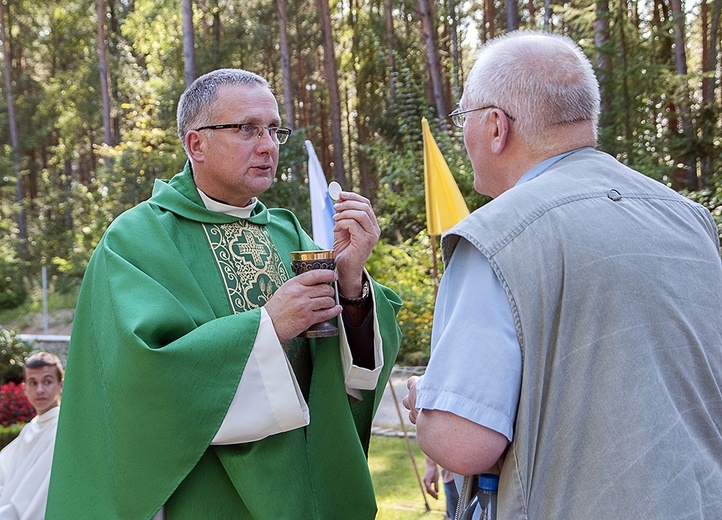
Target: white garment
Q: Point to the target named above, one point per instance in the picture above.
(25, 469)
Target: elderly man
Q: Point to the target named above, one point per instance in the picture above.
(25, 462)
(577, 338)
(189, 392)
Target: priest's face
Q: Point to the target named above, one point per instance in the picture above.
(43, 387)
(228, 166)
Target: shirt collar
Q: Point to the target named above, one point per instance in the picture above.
(221, 207)
(543, 166)
(49, 414)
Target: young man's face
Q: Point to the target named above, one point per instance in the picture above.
(43, 388)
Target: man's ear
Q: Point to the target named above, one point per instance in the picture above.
(195, 144)
(500, 129)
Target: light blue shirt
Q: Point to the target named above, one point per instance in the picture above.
(475, 366)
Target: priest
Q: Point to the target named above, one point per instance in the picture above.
(189, 393)
(25, 462)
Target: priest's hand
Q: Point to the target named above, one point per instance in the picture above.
(354, 237)
(304, 300)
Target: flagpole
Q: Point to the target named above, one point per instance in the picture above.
(435, 264)
(408, 445)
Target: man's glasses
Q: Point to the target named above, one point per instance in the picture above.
(458, 116)
(247, 131)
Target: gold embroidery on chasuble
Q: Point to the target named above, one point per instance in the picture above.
(252, 271)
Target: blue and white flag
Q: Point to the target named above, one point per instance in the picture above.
(321, 203)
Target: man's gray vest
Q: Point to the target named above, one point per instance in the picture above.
(615, 284)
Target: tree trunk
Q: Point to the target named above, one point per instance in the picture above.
(103, 71)
(305, 96)
(604, 72)
(189, 43)
(489, 15)
(286, 66)
(455, 52)
(390, 48)
(364, 108)
(512, 15)
(709, 111)
(680, 59)
(444, 49)
(14, 141)
(285, 51)
(116, 97)
(626, 106)
(217, 26)
(660, 21)
(437, 84)
(334, 100)
(319, 100)
(68, 189)
(547, 14)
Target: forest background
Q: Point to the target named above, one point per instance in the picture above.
(87, 116)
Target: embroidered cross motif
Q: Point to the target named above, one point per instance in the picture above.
(250, 246)
(249, 264)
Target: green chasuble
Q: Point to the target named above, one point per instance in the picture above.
(166, 319)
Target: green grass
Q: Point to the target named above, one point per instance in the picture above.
(397, 489)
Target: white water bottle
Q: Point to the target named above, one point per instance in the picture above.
(483, 504)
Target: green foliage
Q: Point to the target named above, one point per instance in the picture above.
(9, 433)
(400, 163)
(407, 269)
(712, 200)
(13, 352)
(12, 286)
(290, 187)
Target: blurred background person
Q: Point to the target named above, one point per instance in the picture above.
(25, 462)
(432, 473)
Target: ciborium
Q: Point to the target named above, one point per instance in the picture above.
(302, 261)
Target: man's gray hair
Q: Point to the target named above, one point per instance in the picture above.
(540, 79)
(195, 107)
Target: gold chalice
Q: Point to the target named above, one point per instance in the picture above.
(302, 261)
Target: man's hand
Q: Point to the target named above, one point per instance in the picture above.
(409, 401)
(354, 237)
(431, 478)
(453, 442)
(302, 301)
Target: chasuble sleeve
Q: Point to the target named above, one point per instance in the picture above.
(268, 399)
